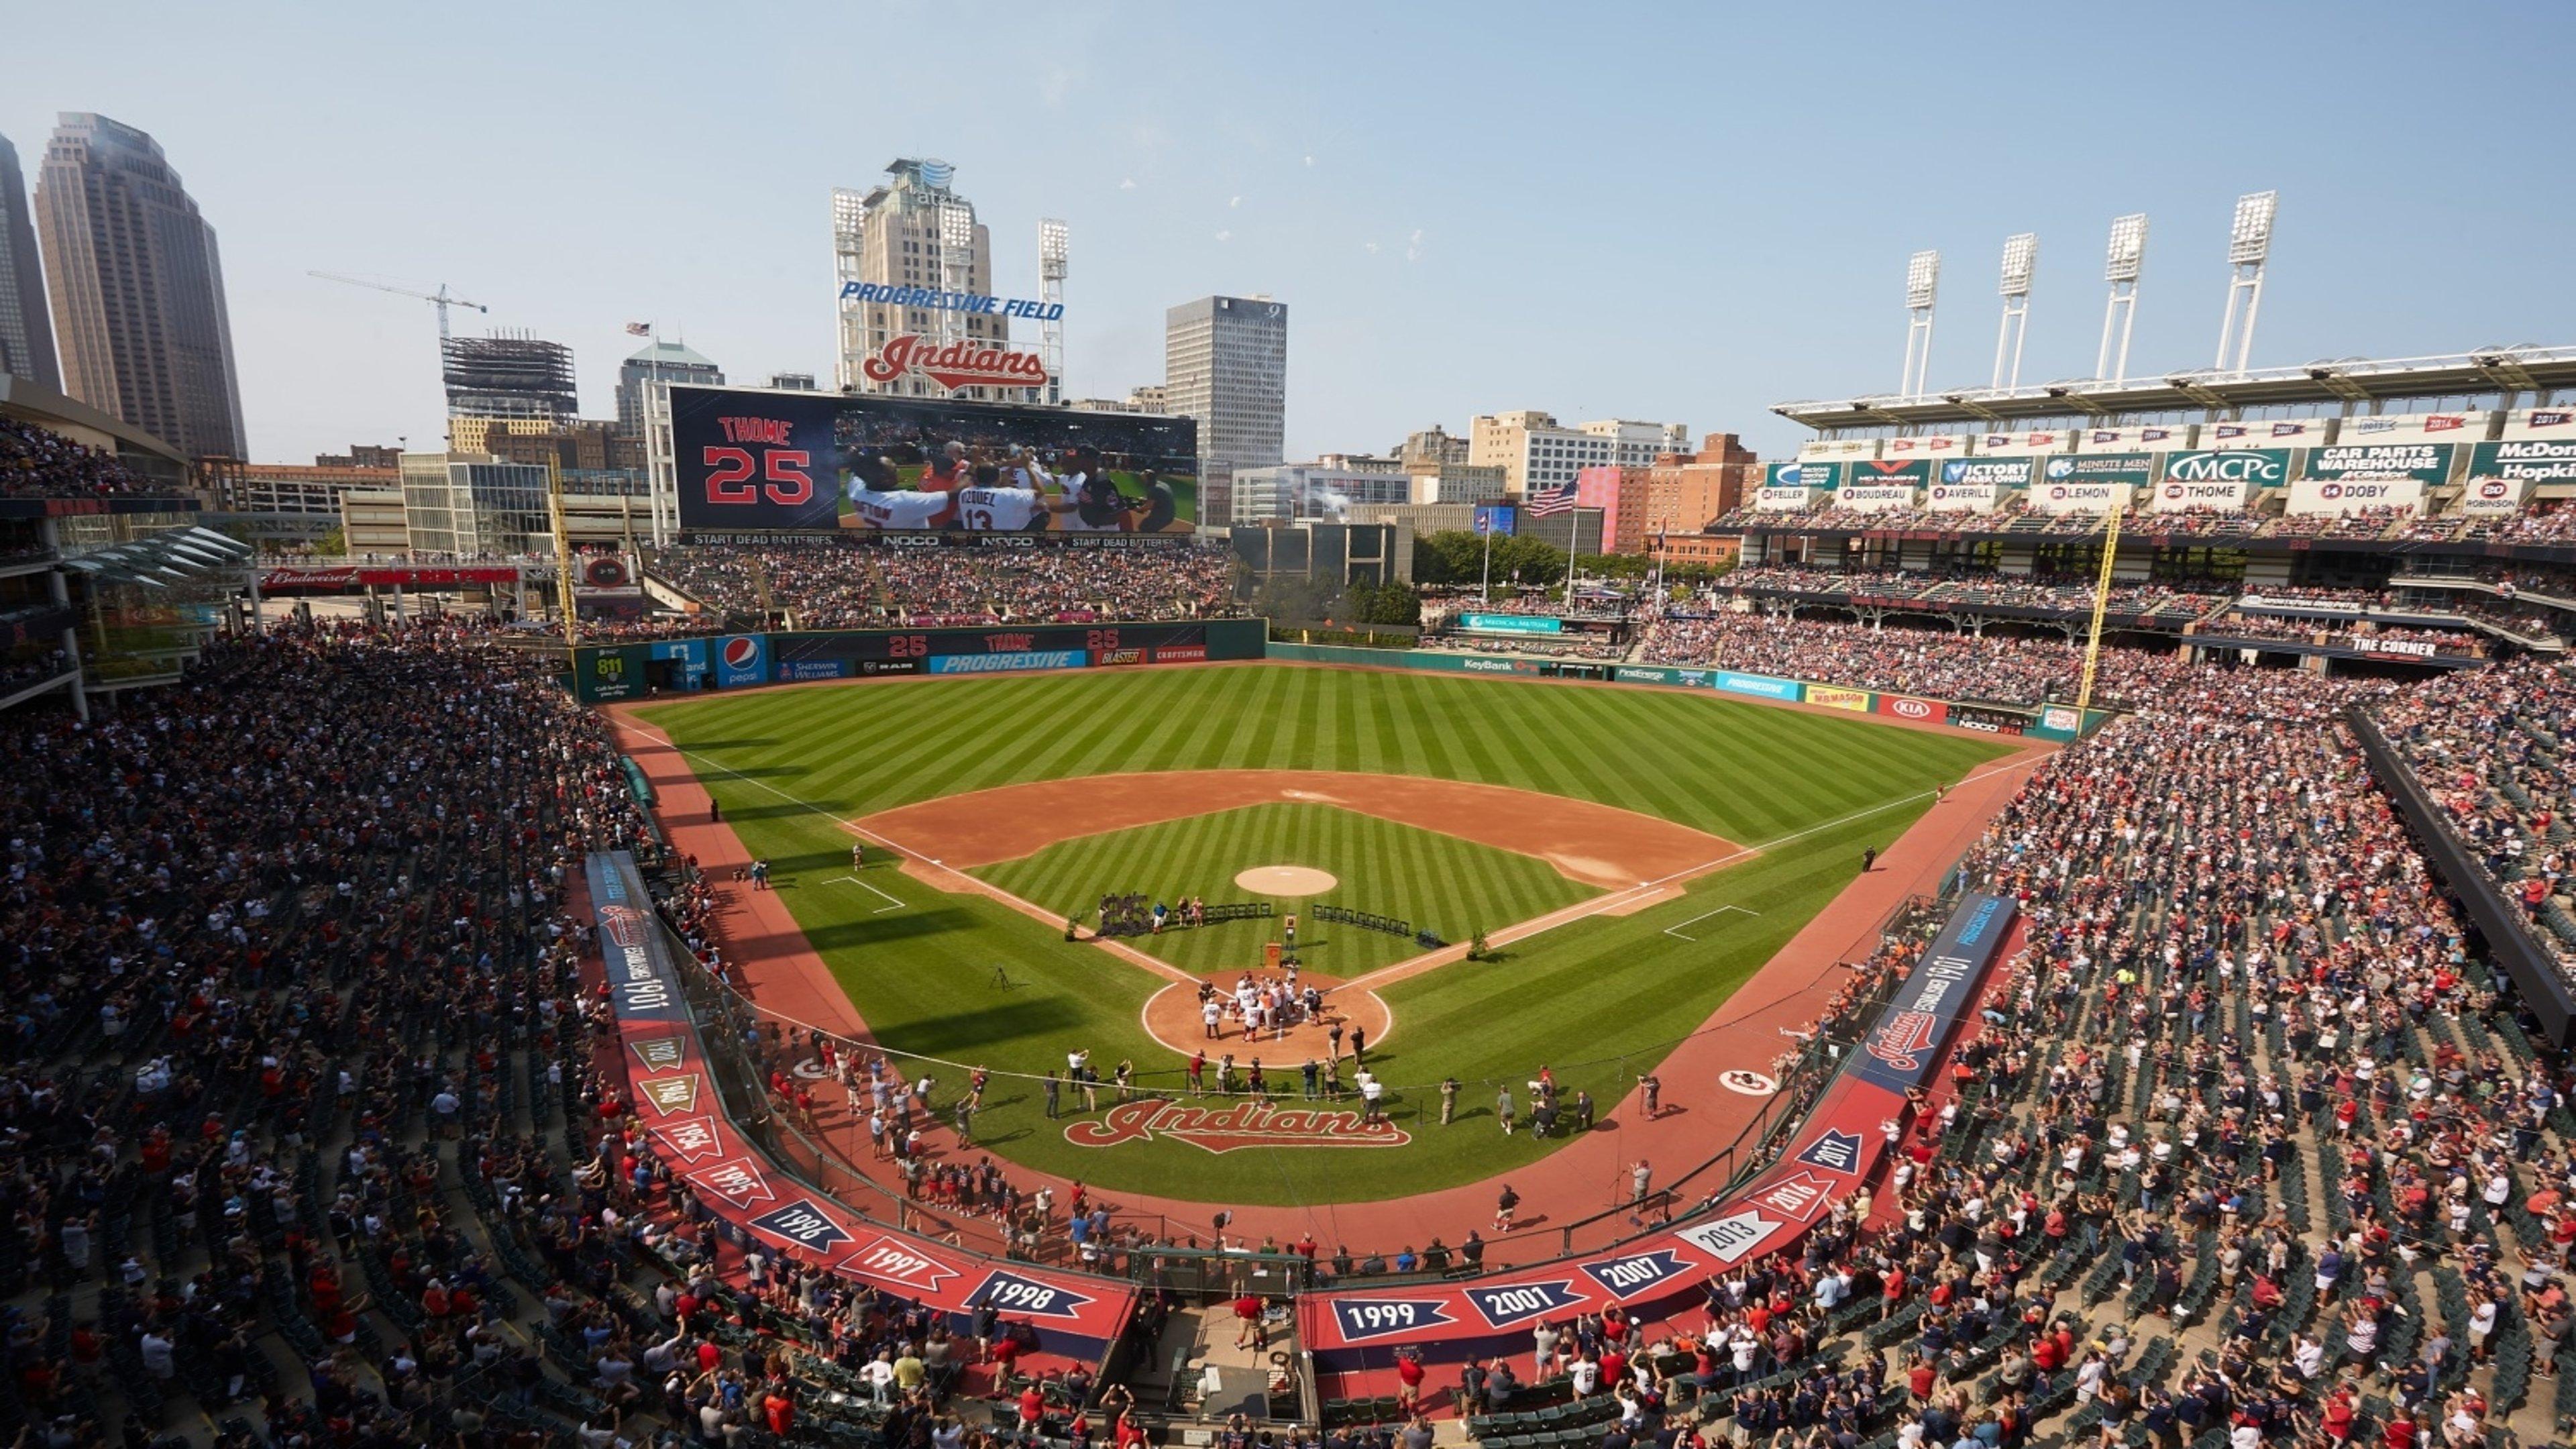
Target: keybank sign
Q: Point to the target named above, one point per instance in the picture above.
(2250, 467)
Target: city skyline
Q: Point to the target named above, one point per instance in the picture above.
(1699, 249)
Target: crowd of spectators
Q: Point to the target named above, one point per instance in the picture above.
(2496, 748)
(1940, 663)
(39, 463)
(853, 588)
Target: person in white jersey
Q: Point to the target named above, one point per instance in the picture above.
(879, 500)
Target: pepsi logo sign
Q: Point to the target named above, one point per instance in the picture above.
(741, 652)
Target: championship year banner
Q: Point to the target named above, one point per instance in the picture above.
(675, 1097)
(1835, 1150)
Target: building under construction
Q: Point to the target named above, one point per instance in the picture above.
(507, 376)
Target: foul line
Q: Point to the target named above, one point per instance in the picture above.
(1675, 929)
(891, 904)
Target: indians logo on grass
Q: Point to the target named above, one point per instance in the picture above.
(1902, 1039)
(1223, 1129)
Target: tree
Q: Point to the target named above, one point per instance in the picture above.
(1476, 948)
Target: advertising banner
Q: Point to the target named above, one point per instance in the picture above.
(2353, 495)
(2299, 433)
(2252, 467)
(1929, 445)
(747, 460)
(1497, 518)
(1597, 488)
(1012, 662)
(1926, 711)
(382, 576)
(741, 659)
(2424, 462)
(613, 673)
(1761, 684)
(1990, 472)
(1989, 720)
(2080, 497)
(1643, 674)
(2531, 460)
(2490, 496)
(2023, 444)
(1856, 700)
(1511, 623)
(691, 657)
(2162, 437)
(1838, 1146)
(2136, 470)
(1802, 475)
(1889, 473)
(2407, 427)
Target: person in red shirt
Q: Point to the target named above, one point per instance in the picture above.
(1408, 1374)
(2339, 1415)
(780, 1409)
(1247, 1315)
(1032, 1408)
(2400, 1432)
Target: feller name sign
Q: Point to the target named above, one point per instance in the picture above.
(1223, 1129)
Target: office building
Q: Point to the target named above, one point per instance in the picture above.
(1684, 492)
(914, 231)
(468, 503)
(1434, 445)
(1638, 445)
(26, 337)
(1325, 489)
(508, 375)
(791, 382)
(290, 487)
(371, 522)
(1225, 363)
(1533, 450)
(361, 455)
(137, 287)
(664, 362)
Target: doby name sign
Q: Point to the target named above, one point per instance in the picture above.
(1223, 1129)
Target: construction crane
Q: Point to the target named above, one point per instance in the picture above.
(442, 299)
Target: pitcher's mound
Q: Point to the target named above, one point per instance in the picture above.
(1286, 880)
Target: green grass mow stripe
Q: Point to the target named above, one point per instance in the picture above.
(1599, 1000)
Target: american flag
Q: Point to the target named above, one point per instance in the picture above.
(639, 329)
(1553, 501)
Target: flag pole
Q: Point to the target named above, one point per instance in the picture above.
(1485, 589)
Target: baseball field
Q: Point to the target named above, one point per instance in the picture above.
(1665, 844)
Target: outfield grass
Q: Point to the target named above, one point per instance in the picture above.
(1436, 881)
(1600, 1000)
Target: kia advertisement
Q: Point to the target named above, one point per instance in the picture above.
(752, 461)
(1921, 711)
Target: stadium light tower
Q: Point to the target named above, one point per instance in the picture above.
(2021, 258)
(2249, 243)
(1051, 267)
(2128, 259)
(1922, 288)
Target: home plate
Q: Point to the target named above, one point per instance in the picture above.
(1286, 880)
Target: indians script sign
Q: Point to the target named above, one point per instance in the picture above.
(956, 365)
(1241, 1124)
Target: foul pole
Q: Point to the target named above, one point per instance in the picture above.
(2101, 606)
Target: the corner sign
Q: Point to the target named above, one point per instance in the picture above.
(956, 365)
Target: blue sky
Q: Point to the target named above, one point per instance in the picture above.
(1679, 212)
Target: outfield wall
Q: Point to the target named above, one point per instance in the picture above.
(610, 672)
(2047, 722)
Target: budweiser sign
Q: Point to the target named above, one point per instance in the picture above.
(1242, 1124)
(959, 364)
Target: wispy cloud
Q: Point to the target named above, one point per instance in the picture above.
(1225, 236)
(1310, 160)
(1372, 247)
(1234, 201)
(1128, 184)
(1413, 246)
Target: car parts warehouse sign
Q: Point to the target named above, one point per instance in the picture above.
(2423, 462)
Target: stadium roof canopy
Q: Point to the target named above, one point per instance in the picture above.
(2350, 384)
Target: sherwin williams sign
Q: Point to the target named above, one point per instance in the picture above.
(2551, 460)
(2423, 462)
(1511, 623)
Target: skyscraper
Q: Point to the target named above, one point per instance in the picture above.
(26, 338)
(137, 287)
(1225, 363)
(913, 231)
(666, 362)
(508, 375)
